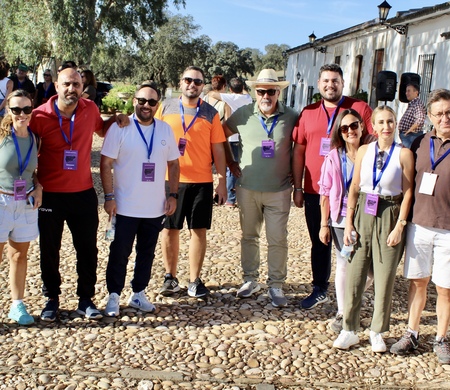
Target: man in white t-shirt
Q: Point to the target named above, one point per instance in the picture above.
(236, 99)
(139, 154)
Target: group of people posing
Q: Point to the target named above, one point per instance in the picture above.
(357, 185)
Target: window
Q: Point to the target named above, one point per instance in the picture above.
(337, 60)
(310, 95)
(377, 67)
(425, 70)
(293, 90)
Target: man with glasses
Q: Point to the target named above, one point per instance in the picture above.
(428, 234)
(263, 189)
(312, 137)
(140, 155)
(65, 125)
(199, 136)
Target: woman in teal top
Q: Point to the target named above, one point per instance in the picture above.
(20, 195)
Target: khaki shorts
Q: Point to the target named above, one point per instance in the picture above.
(427, 254)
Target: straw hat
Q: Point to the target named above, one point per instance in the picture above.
(267, 77)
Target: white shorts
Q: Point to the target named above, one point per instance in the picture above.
(18, 220)
(427, 254)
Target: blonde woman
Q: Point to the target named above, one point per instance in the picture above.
(379, 201)
(20, 196)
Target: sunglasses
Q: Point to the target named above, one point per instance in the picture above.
(270, 92)
(151, 102)
(17, 110)
(380, 159)
(47, 75)
(354, 126)
(189, 80)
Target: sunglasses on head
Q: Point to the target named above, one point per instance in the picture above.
(17, 110)
(354, 126)
(151, 102)
(270, 92)
(189, 80)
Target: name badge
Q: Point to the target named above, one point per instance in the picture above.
(325, 146)
(70, 160)
(20, 189)
(428, 183)
(344, 207)
(148, 171)
(182, 145)
(371, 204)
(268, 149)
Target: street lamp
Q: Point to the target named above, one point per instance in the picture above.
(383, 12)
(298, 75)
(312, 40)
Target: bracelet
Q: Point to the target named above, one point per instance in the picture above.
(326, 226)
(109, 197)
(351, 208)
(298, 189)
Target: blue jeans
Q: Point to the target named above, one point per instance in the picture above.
(409, 138)
(231, 180)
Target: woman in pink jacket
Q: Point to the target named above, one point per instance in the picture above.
(335, 179)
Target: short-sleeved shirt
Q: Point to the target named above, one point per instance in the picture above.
(312, 127)
(45, 123)
(259, 173)
(196, 163)
(135, 197)
(432, 210)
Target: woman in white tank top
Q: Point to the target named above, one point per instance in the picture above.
(379, 201)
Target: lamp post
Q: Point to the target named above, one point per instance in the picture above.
(383, 12)
(298, 75)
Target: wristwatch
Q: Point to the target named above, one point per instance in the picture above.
(174, 195)
(403, 221)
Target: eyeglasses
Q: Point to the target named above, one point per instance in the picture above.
(270, 92)
(380, 159)
(354, 126)
(47, 75)
(189, 80)
(151, 102)
(17, 110)
(440, 115)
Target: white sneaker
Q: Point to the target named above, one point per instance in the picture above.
(140, 301)
(248, 289)
(277, 296)
(376, 339)
(346, 339)
(112, 305)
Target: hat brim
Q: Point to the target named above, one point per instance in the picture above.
(281, 84)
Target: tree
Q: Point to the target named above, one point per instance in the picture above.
(74, 28)
(274, 56)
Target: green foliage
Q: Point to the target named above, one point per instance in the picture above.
(128, 107)
(120, 98)
(316, 97)
(361, 95)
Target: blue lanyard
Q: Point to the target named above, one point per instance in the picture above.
(72, 124)
(22, 166)
(193, 119)
(433, 163)
(149, 146)
(263, 123)
(333, 116)
(375, 179)
(347, 181)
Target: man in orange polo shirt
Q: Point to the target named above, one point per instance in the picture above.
(200, 138)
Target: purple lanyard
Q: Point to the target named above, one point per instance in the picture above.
(435, 163)
(347, 181)
(193, 119)
(333, 116)
(22, 166)
(275, 120)
(72, 124)
(148, 145)
(376, 179)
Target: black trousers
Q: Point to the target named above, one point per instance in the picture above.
(320, 253)
(79, 211)
(146, 231)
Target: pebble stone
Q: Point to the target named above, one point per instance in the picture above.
(222, 342)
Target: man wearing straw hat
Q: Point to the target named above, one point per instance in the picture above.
(263, 188)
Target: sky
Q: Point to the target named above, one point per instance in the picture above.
(257, 23)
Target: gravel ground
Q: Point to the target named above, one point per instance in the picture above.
(219, 343)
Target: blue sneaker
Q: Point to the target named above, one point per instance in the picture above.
(50, 310)
(20, 315)
(87, 308)
(317, 297)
